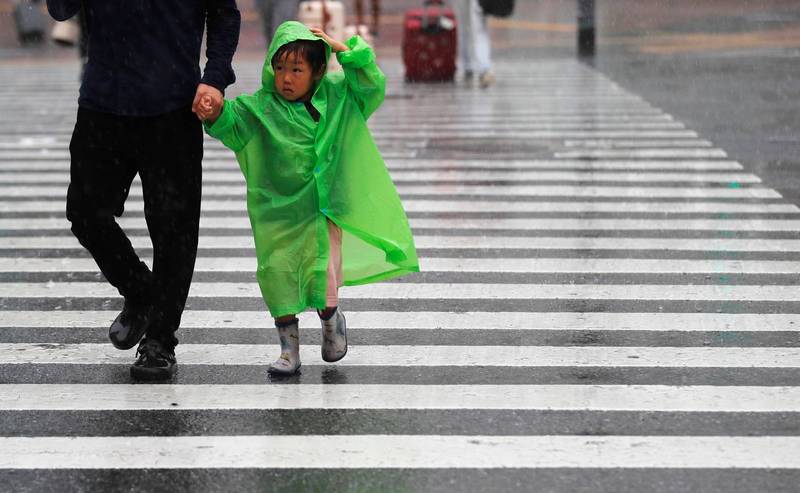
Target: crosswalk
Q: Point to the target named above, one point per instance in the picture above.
(607, 302)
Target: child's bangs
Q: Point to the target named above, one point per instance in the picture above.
(312, 51)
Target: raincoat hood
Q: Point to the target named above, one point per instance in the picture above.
(286, 33)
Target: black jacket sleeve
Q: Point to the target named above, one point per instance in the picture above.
(62, 10)
(223, 21)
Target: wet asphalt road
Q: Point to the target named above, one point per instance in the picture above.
(727, 69)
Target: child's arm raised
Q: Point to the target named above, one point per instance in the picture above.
(232, 125)
(365, 79)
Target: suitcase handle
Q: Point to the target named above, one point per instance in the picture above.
(433, 26)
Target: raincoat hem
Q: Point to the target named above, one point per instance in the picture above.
(293, 310)
(383, 276)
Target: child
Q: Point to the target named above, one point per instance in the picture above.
(323, 209)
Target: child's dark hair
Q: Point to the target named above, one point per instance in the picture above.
(312, 51)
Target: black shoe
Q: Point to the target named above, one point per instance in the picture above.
(154, 362)
(129, 326)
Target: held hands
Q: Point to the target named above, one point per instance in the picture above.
(207, 103)
(336, 46)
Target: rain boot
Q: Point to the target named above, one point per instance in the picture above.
(289, 361)
(334, 337)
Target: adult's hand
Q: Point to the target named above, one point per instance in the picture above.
(204, 95)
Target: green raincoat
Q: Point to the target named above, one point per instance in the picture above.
(300, 173)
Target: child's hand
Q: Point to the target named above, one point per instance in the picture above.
(207, 103)
(208, 109)
(336, 46)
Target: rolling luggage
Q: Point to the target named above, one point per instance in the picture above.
(429, 43)
(327, 14)
(30, 20)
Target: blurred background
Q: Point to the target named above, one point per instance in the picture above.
(547, 27)
(728, 68)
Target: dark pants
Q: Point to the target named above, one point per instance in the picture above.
(166, 151)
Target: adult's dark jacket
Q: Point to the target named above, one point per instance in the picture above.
(144, 55)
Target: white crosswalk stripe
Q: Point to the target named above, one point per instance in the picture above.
(521, 265)
(209, 242)
(434, 321)
(572, 191)
(465, 176)
(412, 205)
(601, 288)
(241, 222)
(218, 164)
(454, 291)
(345, 396)
(398, 451)
(422, 356)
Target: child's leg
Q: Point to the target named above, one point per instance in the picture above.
(334, 269)
(289, 334)
(334, 329)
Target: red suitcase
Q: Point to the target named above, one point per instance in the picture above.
(429, 43)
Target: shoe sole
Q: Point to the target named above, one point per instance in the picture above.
(122, 346)
(153, 374)
(127, 346)
(337, 359)
(277, 371)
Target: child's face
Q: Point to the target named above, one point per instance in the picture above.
(294, 78)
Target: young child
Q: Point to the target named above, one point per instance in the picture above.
(323, 209)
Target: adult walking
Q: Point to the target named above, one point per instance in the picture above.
(376, 14)
(140, 88)
(474, 44)
(274, 13)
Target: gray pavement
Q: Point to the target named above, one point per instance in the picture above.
(728, 69)
(746, 103)
(608, 301)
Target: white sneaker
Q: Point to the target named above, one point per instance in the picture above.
(487, 79)
(289, 361)
(334, 337)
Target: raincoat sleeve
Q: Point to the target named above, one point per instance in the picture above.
(365, 79)
(233, 127)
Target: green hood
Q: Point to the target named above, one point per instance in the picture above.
(286, 33)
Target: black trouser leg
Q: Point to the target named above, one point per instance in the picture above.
(101, 173)
(170, 165)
